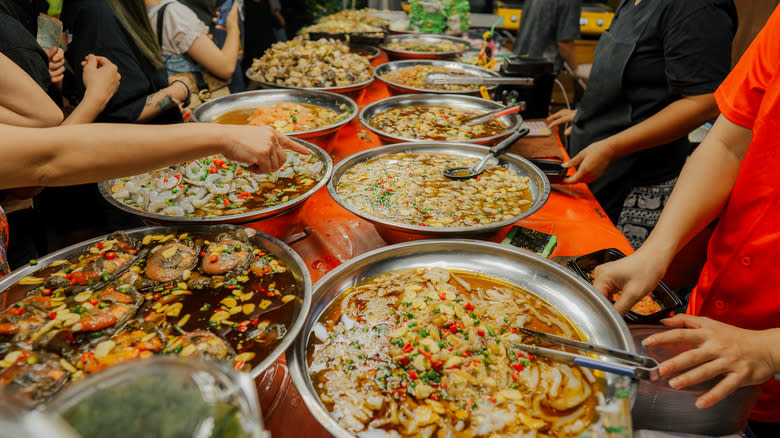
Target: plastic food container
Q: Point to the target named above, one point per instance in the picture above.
(662, 294)
(164, 397)
(659, 407)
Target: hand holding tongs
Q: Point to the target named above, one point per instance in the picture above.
(445, 79)
(633, 365)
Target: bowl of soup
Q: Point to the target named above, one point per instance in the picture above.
(419, 338)
(436, 117)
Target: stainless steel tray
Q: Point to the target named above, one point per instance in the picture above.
(512, 121)
(452, 66)
(272, 244)
(343, 105)
(585, 307)
(433, 38)
(241, 218)
(350, 90)
(539, 186)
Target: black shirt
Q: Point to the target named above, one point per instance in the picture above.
(96, 30)
(19, 45)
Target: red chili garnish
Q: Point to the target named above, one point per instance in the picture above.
(466, 353)
(212, 169)
(100, 245)
(443, 296)
(93, 301)
(68, 276)
(424, 353)
(53, 315)
(404, 360)
(110, 255)
(435, 397)
(214, 258)
(86, 356)
(239, 364)
(74, 282)
(453, 329)
(437, 364)
(165, 180)
(404, 384)
(518, 367)
(477, 178)
(177, 176)
(492, 400)
(181, 186)
(412, 375)
(481, 332)
(255, 321)
(469, 307)
(226, 201)
(46, 292)
(230, 287)
(219, 162)
(408, 348)
(515, 376)
(17, 311)
(530, 356)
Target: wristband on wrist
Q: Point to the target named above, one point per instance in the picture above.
(186, 100)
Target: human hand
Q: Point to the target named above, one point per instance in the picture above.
(232, 19)
(259, 146)
(100, 76)
(561, 117)
(56, 64)
(634, 276)
(591, 163)
(743, 357)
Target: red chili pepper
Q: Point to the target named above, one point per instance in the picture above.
(53, 315)
(100, 245)
(424, 353)
(219, 162)
(404, 360)
(239, 364)
(17, 311)
(177, 176)
(469, 307)
(476, 178)
(481, 332)
(181, 186)
(110, 255)
(408, 348)
(93, 301)
(68, 276)
(46, 292)
(443, 385)
(165, 180)
(212, 169)
(492, 400)
(466, 353)
(226, 201)
(453, 329)
(412, 375)
(74, 282)
(404, 384)
(255, 321)
(530, 356)
(86, 356)
(518, 367)
(437, 364)
(213, 258)
(443, 296)
(435, 397)
(515, 376)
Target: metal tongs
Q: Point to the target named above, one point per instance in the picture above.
(631, 365)
(445, 79)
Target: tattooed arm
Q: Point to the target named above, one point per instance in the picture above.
(163, 100)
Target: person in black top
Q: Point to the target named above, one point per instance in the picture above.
(651, 83)
(120, 31)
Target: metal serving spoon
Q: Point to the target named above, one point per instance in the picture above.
(482, 118)
(445, 79)
(477, 168)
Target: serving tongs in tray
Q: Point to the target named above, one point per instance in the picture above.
(630, 364)
(445, 79)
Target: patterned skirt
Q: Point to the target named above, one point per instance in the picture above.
(641, 211)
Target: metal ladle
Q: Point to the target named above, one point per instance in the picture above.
(477, 168)
(445, 79)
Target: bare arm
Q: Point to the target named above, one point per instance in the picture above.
(163, 100)
(219, 62)
(22, 101)
(676, 120)
(101, 80)
(568, 53)
(701, 192)
(81, 154)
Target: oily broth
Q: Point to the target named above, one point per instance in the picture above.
(381, 328)
(285, 117)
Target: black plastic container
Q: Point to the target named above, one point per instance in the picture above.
(536, 97)
(552, 168)
(662, 294)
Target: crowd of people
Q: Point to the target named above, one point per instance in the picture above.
(662, 69)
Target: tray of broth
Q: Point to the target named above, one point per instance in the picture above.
(418, 339)
(220, 292)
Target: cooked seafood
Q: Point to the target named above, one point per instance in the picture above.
(215, 186)
(409, 188)
(430, 352)
(434, 122)
(285, 117)
(356, 16)
(311, 64)
(211, 295)
(341, 26)
(414, 76)
(425, 46)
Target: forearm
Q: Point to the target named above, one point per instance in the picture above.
(701, 190)
(568, 52)
(773, 336)
(162, 101)
(22, 101)
(87, 111)
(88, 153)
(230, 48)
(675, 121)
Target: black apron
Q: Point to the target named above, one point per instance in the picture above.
(604, 110)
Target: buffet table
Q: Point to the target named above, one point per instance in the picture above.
(325, 235)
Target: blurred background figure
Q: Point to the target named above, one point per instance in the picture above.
(547, 29)
(259, 30)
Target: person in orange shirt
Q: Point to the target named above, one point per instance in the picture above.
(733, 317)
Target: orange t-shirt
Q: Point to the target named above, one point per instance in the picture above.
(740, 283)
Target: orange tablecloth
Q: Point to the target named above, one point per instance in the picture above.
(336, 235)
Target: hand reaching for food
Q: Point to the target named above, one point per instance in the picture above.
(101, 77)
(561, 117)
(742, 357)
(260, 146)
(634, 276)
(591, 163)
(56, 64)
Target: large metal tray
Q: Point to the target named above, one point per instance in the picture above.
(512, 121)
(241, 218)
(350, 90)
(585, 307)
(452, 66)
(343, 105)
(539, 186)
(433, 38)
(271, 244)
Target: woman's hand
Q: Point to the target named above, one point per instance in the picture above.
(634, 276)
(743, 357)
(56, 64)
(562, 117)
(591, 163)
(231, 23)
(101, 78)
(259, 146)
